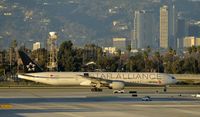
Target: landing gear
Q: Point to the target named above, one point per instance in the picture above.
(118, 91)
(165, 89)
(96, 90)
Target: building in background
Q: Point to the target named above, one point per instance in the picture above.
(110, 50)
(181, 32)
(2, 58)
(197, 41)
(121, 43)
(133, 40)
(189, 42)
(194, 29)
(164, 31)
(168, 26)
(144, 33)
(36, 45)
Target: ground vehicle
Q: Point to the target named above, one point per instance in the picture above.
(146, 98)
(196, 95)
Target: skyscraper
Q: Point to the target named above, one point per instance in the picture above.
(168, 26)
(173, 25)
(181, 32)
(164, 28)
(144, 29)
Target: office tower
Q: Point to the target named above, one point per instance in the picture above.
(144, 29)
(181, 32)
(133, 40)
(168, 26)
(164, 31)
(173, 26)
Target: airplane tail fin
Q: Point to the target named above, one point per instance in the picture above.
(29, 65)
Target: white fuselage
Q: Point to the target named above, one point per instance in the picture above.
(78, 78)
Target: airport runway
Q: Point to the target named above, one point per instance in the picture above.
(80, 102)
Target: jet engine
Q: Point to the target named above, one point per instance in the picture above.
(116, 85)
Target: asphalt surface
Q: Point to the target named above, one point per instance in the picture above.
(80, 102)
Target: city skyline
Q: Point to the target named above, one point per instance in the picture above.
(143, 28)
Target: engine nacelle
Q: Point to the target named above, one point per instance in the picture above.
(116, 85)
(86, 83)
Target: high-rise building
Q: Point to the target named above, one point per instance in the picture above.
(133, 40)
(168, 26)
(181, 32)
(144, 29)
(164, 31)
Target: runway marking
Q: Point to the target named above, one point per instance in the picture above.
(6, 106)
(25, 106)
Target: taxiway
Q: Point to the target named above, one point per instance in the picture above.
(80, 102)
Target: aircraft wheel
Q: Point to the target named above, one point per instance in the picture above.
(165, 89)
(96, 90)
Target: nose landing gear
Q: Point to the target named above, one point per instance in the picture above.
(165, 89)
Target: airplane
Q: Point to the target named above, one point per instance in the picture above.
(96, 80)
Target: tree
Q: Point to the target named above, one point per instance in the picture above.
(189, 49)
(190, 65)
(131, 64)
(40, 55)
(168, 60)
(177, 66)
(119, 52)
(66, 56)
(198, 49)
(78, 59)
(128, 48)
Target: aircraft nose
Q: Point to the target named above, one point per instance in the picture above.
(173, 80)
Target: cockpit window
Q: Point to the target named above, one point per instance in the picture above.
(173, 77)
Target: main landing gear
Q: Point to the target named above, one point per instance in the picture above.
(96, 89)
(165, 89)
(118, 91)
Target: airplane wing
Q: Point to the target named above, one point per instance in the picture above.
(97, 80)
